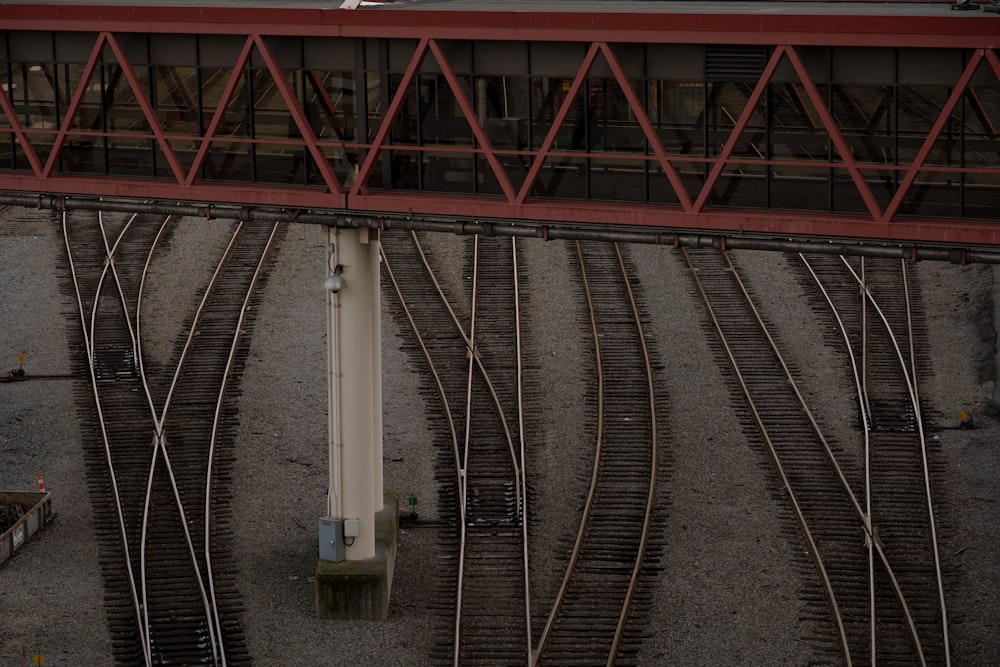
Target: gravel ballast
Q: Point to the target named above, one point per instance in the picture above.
(726, 594)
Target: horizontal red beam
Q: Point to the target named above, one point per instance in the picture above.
(257, 194)
(891, 27)
(666, 219)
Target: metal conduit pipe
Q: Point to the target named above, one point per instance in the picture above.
(546, 230)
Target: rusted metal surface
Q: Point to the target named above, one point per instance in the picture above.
(22, 514)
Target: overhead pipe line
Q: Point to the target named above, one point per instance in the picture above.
(522, 228)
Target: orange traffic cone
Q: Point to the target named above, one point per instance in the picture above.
(41, 482)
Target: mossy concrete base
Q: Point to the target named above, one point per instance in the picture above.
(359, 589)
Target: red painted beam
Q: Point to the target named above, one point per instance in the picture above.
(666, 218)
(894, 27)
(215, 192)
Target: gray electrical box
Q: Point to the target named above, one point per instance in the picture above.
(331, 539)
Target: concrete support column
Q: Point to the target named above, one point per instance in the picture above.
(354, 337)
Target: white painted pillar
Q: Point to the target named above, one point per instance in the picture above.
(354, 337)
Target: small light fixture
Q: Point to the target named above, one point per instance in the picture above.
(336, 281)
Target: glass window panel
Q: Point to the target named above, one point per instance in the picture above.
(8, 156)
(797, 132)
(130, 156)
(175, 91)
(661, 190)
(35, 99)
(562, 178)
(618, 179)
(547, 97)
(919, 109)
(374, 103)
(934, 194)
(442, 121)
(228, 161)
(332, 96)
(13, 87)
(487, 182)
(866, 118)
(726, 102)
(847, 198)
(741, 186)
(89, 115)
(516, 167)
(406, 129)
(185, 153)
(982, 196)
(82, 153)
(404, 169)
(271, 117)
(677, 109)
(344, 164)
(236, 117)
(123, 111)
(501, 103)
(381, 172)
(982, 124)
(276, 163)
(613, 126)
(800, 188)
(42, 144)
(448, 172)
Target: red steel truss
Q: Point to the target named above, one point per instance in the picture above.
(785, 34)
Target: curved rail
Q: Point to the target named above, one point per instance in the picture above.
(771, 448)
(908, 367)
(87, 331)
(633, 552)
(479, 389)
(874, 546)
(240, 282)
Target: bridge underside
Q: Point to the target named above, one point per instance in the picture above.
(738, 130)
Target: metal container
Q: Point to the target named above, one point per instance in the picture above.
(33, 511)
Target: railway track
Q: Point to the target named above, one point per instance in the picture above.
(872, 589)
(884, 338)
(472, 350)
(159, 453)
(597, 616)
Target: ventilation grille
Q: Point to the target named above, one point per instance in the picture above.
(734, 63)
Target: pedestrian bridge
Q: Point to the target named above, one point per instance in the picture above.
(672, 122)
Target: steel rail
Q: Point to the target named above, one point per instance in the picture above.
(776, 459)
(134, 333)
(475, 358)
(865, 420)
(216, 421)
(909, 374)
(476, 363)
(651, 494)
(926, 470)
(106, 444)
(522, 479)
(160, 446)
(457, 457)
(867, 524)
(594, 478)
(873, 534)
(592, 487)
(137, 356)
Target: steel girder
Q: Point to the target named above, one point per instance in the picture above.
(515, 202)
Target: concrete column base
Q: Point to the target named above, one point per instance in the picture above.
(359, 589)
